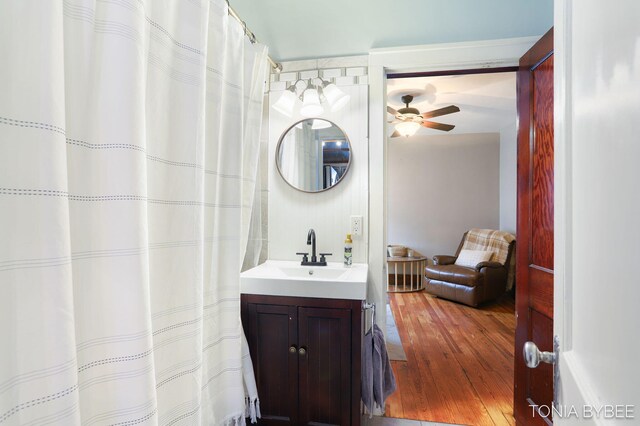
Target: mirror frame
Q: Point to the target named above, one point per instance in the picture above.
(348, 164)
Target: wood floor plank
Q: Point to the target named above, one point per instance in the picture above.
(433, 403)
(459, 366)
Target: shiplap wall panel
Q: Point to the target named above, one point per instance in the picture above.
(292, 213)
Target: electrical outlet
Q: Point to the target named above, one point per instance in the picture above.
(356, 225)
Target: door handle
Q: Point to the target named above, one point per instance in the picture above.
(302, 351)
(533, 357)
(293, 349)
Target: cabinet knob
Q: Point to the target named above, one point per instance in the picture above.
(302, 351)
(292, 349)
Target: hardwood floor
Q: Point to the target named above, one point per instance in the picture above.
(459, 366)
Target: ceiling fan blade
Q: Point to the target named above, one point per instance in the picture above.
(441, 111)
(391, 110)
(395, 134)
(438, 126)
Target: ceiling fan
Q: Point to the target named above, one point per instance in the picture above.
(408, 120)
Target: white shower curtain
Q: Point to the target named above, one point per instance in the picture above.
(129, 135)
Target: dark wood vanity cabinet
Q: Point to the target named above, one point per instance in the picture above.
(306, 357)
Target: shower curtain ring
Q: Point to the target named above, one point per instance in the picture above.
(248, 33)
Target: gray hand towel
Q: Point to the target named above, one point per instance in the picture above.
(384, 382)
(367, 372)
(378, 381)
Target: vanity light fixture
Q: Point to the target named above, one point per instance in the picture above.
(287, 101)
(311, 102)
(335, 97)
(312, 96)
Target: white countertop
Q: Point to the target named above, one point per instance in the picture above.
(289, 278)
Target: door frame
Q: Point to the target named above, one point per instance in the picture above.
(427, 58)
(573, 379)
(489, 54)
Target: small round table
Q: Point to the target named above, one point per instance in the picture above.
(414, 282)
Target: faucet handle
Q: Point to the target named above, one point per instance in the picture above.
(322, 255)
(305, 257)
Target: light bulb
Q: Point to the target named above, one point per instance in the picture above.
(286, 102)
(407, 128)
(311, 103)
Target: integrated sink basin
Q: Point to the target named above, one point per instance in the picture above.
(289, 278)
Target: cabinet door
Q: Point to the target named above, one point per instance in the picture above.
(272, 336)
(325, 366)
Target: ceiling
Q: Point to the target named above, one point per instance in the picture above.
(487, 102)
(295, 29)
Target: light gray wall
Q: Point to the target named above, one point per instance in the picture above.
(508, 177)
(441, 186)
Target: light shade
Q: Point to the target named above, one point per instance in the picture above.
(320, 124)
(335, 97)
(407, 128)
(311, 103)
(287, 100)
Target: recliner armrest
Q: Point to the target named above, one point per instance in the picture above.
(443, 259)
(481, 265)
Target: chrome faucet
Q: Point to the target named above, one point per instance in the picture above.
(311, 240)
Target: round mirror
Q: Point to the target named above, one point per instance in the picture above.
(313, 155)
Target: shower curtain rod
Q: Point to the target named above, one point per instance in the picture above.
(277, 67)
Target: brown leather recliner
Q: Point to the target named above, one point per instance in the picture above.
(471, 286)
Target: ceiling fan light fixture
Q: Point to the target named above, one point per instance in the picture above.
(311, 103)
(409, 119)
(286, 102)
(407, 128)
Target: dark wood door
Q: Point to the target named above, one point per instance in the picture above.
(534, 253)
(272, 336)
(325, 366)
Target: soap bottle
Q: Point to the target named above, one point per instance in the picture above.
(348, 244)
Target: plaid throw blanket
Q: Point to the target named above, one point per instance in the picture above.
(488, 239)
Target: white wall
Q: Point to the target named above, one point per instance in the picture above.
(292, 213)
(440, 187)
(597, 204)
(508, 177)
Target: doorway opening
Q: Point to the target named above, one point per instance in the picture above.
(453, 363)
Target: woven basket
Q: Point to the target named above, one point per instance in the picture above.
(397, 251)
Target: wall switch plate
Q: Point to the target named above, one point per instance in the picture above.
(356, 225)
